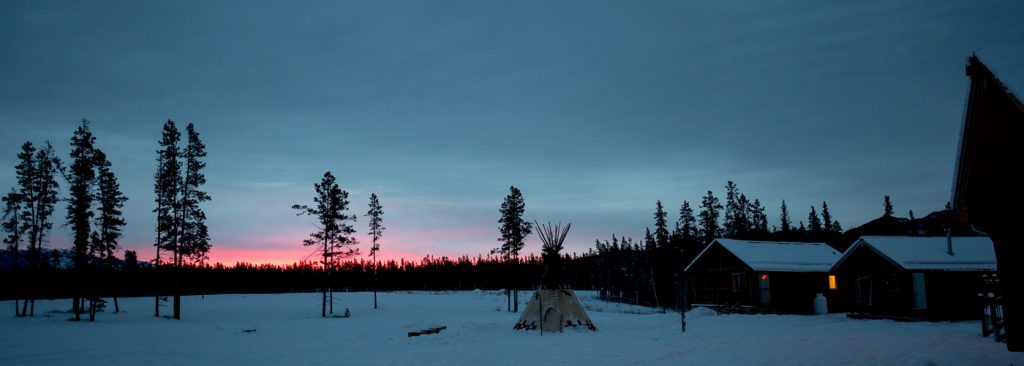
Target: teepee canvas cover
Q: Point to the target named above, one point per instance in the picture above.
(553, 310)
(553, 307)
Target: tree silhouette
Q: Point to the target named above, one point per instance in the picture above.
(376, 215)
(514, 230)
(334, 234)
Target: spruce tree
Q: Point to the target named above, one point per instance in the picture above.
(784, 224)
(814, 225)
(167, 185)
(741, 217)
(688, 233)
(514, 230)
(81, 177)
(758, 219)
(195, 236)
(37, 188)
(826, 218)
(660, 226)
(708, 218)
(687, 223)
(109, 218)
(887, 204)
(733, 211)
(376, 215)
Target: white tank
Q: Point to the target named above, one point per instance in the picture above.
(820, 304)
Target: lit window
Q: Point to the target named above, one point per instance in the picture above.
(831, 282)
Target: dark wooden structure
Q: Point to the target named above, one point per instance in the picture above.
(984, 187)
(764, 276)
(916, 277)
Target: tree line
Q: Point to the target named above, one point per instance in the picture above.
(94, 204)
(646, 271)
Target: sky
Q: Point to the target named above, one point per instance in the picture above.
(596, 110)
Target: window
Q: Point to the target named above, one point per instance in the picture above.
(832, 282)
(764, 289)
(739, 281)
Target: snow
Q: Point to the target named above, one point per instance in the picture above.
(779, 256)
(916, 253)
(288, 330)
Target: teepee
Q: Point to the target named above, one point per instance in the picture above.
(553, 307)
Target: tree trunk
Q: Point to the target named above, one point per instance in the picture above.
(515, 300)
(117, 309)
(156, 267)
(74, 308)
(92, 310)
(177, 299)
(654, 288)
(323, 305)
(375, 278)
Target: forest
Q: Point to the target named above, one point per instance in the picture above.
(646, 271)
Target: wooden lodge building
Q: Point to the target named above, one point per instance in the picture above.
(916, 277)
(764, 276)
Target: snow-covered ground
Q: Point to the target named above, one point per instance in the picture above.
(289, 330)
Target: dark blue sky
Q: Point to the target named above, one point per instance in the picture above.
(594, 109)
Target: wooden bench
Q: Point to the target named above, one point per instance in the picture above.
(433, 330)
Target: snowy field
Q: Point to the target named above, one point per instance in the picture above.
(289, 330)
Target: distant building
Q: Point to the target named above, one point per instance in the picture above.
(764, 276)
(917, 277)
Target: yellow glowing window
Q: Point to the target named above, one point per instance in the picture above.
(831, 282)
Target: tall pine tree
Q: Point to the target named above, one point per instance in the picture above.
(181, 221)
(36, 175)
(195, 236)
(109, 217)
(887, 205)
(81, 177)
(514, 230)
(376, 215)
(167, 187)
(334, 235)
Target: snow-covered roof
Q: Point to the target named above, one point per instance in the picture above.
(778, 256)
(916, 253)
